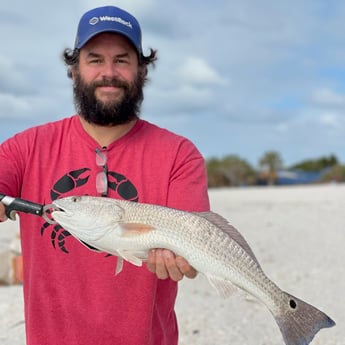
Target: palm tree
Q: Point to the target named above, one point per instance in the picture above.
(270, 163)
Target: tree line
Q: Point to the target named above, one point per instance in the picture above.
(233, 170)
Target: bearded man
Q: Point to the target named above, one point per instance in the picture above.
(71, 293)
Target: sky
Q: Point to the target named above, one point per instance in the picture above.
(235, 77)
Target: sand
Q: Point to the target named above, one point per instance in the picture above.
(297, 234)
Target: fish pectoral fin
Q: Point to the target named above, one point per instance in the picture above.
(119, 265)
(224, 287)
(134, 229)
(130, 257)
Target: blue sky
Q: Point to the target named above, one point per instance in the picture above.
(236, 77)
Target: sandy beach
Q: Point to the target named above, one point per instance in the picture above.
(298, 236)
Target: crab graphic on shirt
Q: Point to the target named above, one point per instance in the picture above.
(74, 180)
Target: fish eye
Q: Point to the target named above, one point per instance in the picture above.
(75, 198)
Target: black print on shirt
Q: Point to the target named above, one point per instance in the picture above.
(75, 179)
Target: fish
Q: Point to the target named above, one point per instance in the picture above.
(206, 240)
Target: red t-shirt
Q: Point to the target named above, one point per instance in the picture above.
(71, 293)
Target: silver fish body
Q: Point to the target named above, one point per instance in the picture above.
(209, 243)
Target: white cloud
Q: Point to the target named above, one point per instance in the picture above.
(197, 71)
(330, 119)
(328, 97)
(182, 99)
(12, 105)
(11, 76)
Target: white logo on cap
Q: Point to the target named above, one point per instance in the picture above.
(95, 20)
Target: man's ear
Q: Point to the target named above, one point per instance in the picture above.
(72, 73)
(143, 71)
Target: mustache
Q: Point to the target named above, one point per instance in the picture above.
(111, 82)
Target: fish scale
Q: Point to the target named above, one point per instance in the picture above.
(206, 240)
(224, 250)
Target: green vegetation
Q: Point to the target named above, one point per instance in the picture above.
(234, 171)
(336, 173)
(317, 164)
(230, 171)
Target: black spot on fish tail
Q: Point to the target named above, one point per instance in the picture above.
(300, 322)
(293, 304)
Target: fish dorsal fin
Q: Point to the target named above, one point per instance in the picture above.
(224, 225)
(224, 287)
(134, 229)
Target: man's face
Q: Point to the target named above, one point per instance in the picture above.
(108, 84)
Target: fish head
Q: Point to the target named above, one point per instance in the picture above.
(87, 218)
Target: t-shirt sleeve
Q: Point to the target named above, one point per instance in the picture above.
(10, 168)
(188, 180)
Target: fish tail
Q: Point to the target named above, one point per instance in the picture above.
(300, 323)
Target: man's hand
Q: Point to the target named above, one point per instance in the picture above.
(165, 264)
(2, 212)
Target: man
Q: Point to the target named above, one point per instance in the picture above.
(71, 293)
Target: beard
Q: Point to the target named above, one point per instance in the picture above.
(110, 113)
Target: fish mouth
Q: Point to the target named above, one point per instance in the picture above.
(50, 210)
(61, 211)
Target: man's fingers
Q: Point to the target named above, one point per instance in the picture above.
(156, 263)
(161, 270)
(2, 213)
(165, 264)
(151, 261)
(185, 268)
(171, 266)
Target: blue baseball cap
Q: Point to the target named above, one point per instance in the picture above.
(108, 19)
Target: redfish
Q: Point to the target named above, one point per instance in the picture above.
(206, 240)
